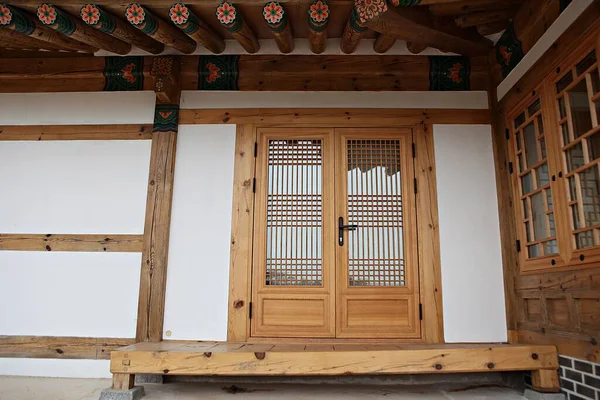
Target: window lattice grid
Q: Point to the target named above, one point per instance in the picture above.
(294, 213)
(578, 100)
(375, 249)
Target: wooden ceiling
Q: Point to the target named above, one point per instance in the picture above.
(457, 26)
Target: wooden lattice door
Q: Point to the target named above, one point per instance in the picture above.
(335, 237)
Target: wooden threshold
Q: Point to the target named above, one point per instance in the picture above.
(235, 359)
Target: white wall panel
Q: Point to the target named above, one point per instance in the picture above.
(472, 281)
(69, 294)
(77, 108)
(74, 186)
(55, 368)
(198, 275)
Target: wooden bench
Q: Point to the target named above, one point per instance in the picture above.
(259, 359)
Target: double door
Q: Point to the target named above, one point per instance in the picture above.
(335, 244)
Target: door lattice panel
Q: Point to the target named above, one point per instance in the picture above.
(375, 249)
(294, 213)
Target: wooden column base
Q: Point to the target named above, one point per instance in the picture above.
(545, 380)
(123, 381)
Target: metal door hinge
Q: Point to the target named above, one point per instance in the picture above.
(255, 149)
(253, 185)
(518, 246)
(420, 312)
(250, 310)
(414, 150)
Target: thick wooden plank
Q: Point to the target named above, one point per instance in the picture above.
(428, 235)
(89, 243)
(580, 346)
(240, 259)
(76, 132)
(123, 381)
(333, 116)
(359, 360)
(60, 347)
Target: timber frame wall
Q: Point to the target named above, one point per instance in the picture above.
(532, 314)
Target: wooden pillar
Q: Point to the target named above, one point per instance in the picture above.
(278, 23)
(545, 380)
(231, 18)
(190, 24)
(318, 17)
(123, 381)
(353, 33)
(166, 73)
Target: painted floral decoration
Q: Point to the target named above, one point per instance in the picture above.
(127, 73)
(226, 13)
(47, 14)
(179, 13)
(161, 66)
(5, 15)
(506, 55)
(318, 11)
(135, 14)
(455, 73)
(213, 72)
(369, 9)
(90, 14)
(273, 12)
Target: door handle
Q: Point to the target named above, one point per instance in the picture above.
(342, 228)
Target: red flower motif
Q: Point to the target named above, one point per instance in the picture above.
(47, 14)
(5, 15)
(179, 13)
(369, 9)
(273, 12)
(213, 72)
(127, 73)
(135, 14)
(318, 11)
(90, 14)
(505, 55)
(455, 73)
(165, 114)
(226, 13)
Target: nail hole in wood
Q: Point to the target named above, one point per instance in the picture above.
(535, 356)
(207, 354)
(438, 366)
(259, 356)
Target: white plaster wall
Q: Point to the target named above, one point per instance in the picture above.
(472, 277)
(74, 186)
(198, 274)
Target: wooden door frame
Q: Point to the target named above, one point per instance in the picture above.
(420, 120)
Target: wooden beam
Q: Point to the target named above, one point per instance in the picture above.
(581, 346)
(157, 227)
(491, 28)
(453, 8)
(485, 17)
(333, 116)
(545, 380)
(240, 259)
(415, 48)
(277, 20)
(266, 359)
(191, 25)
(159, 30)
(105, 22)
(123, 381)
(412, 24)
(168, 3)
(91, 348)
(318, 17)
(353, 33)
(76, 132)
(61, 242)
(383, 43)
(64, 23)
(10, 39)
(22, 22)
(232, 19)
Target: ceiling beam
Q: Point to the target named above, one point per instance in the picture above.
(10, 39)
(412, 24)
(158, 29)
(353, 33)
(415, 48)
(468, 6)
(168, 3)
(485, 17)
(25, 23)
(383, 43)
(232, 19)
(318, 17)
(60, 21)
(494, 27)
(276, 18)
(191, 25)
(96, 17)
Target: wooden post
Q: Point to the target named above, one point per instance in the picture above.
(318, 17)
(190, 24)
(97, 18)
(22, 22)
(383, 43)
(545, 380)
(64, 23)
(158, 29)
(278, 23)
(352, 35)
(233, 21)
(123, 381)
(166, 71)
